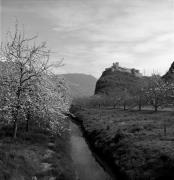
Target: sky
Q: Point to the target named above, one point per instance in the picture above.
(89, 35)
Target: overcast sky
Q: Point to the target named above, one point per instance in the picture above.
(92, 34)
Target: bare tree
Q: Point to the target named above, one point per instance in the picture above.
(139, 93)
(125, 98)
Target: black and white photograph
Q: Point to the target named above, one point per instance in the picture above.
(86, 89)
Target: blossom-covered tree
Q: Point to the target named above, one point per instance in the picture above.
(53, 101)
(156, 92)
(26, 83)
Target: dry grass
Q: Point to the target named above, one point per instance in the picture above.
(35, 156)
(137, 141)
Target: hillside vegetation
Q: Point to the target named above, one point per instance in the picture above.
(116, 82)
(169, 76)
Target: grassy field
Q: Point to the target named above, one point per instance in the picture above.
(141, 144)
(36, 155)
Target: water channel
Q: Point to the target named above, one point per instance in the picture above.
(85, 162)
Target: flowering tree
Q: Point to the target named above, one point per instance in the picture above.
(24, 66)
(53, 101)
(157, 91)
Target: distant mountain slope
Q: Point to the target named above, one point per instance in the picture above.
(80, 84)
(169, 76)
(116, 79)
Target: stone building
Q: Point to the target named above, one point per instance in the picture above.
(115, 67)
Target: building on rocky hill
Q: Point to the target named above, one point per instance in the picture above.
(116, 67)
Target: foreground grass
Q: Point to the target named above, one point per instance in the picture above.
(36, 155)
(140, 144)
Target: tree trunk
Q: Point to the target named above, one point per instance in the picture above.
(124, 106)
(27, 123)
(156, 108)
(156, 104)
(15, 126)
(165, 130)
(27, 126)
(139, 104)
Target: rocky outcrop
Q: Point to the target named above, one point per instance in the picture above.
(117, 80)
(169, 76)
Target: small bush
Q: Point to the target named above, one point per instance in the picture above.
(118, 136)
(136, 128)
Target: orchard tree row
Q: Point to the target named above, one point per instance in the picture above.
(151, 91)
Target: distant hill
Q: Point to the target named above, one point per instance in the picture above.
(116, 79)
(80, 85)
(169, 76)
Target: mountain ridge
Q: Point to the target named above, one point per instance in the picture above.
(80, 85)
